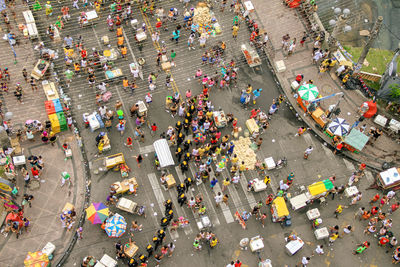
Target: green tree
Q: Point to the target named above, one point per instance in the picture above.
(395, 90)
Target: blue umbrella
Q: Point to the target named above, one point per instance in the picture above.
(115, 226)
(339, 127)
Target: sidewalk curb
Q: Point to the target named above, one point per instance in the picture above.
(87, 175)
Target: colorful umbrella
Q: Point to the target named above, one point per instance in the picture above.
(97, 213)
(36, 259)
(339, 127)
(308, 92)
(115, 226)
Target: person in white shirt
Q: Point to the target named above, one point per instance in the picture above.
(232, 264)
(102, 87)
(305, 261)
(218, 199)
(319, 250)
(390, 194)
(283, 186)
(235, 179)
(103, 111)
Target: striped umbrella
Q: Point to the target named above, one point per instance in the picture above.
(97, 213)
(308, 92)
(339, 127)
(115, 226)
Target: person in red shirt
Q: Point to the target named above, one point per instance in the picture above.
(238, 263)
(299, 78)
(35, 172)
(338, 148)
(374, 210)
(153, 129)
(383, 240)
(158, 24)
(83, 53)
(375, 199)
(394, 207)
(129, 143)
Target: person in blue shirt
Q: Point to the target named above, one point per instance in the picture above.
(256, 94)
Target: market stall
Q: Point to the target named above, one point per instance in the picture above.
(389, 178)
(91, 17)
(40, 69)
(320, 117)
(125, 185)
(220, 118)
(299, 201)
(338, 127)
(204, 20)
(251, 55)
(113, 74)
(319, 189)
(355, 141)
(305, 94)
(279, 210)
(114, 161)
(163, 153)
(293, 246)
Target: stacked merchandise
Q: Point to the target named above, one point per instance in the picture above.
(245, 152)
(54, 108)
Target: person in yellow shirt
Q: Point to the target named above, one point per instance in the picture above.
(242, 167)
(119, 31)
(201, 151)
(120, 41)
(235, 29)
(125, 83)
(209, 115)
(225, 184)
(234, 159)
(124, 51)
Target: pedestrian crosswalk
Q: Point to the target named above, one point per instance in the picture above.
(240, 199)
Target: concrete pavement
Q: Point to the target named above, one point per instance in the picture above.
(279, 20)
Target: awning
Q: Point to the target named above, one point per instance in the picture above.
(356, 139)
(163, 153)
(280, 206)
(320, 187)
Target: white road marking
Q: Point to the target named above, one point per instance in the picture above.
(225, 208)
(369, 176)
(202, 189)
(132, 54)
(249, 196)
(146, 149)
(160, 199)
(349, 165)
(328, 153)
(308, 139)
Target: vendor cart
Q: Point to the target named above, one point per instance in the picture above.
(299, 201)
(109, 55)
(113, 161)
(91, 17)
(130, 206)
(220, 118)
(279, 210)
(389, 179)
(112, 75)
(40, 69)
(319, 189)
(126, 185)
(355, 141)
(106, 261)
(251, 56)
(320, 117)
(258, 185)
(256, 244)
(294, 246)
(142, 108)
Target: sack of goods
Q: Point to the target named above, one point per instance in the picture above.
(244, 152)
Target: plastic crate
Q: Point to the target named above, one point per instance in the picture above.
(98, 117)
(49, 106)
(57, 105)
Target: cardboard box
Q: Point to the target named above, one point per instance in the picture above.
(280, 66)
(321, 233)
(252, 125)
(170, 181)
(131, 250)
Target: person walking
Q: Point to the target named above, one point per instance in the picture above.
(225, 184)
(139, 160)
(218, 199)
(153, 129)
(307, 152)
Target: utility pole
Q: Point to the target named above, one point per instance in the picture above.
(374, 33)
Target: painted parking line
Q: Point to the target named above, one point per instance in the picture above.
(146, 149)
(349, 165)
(160, 199)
